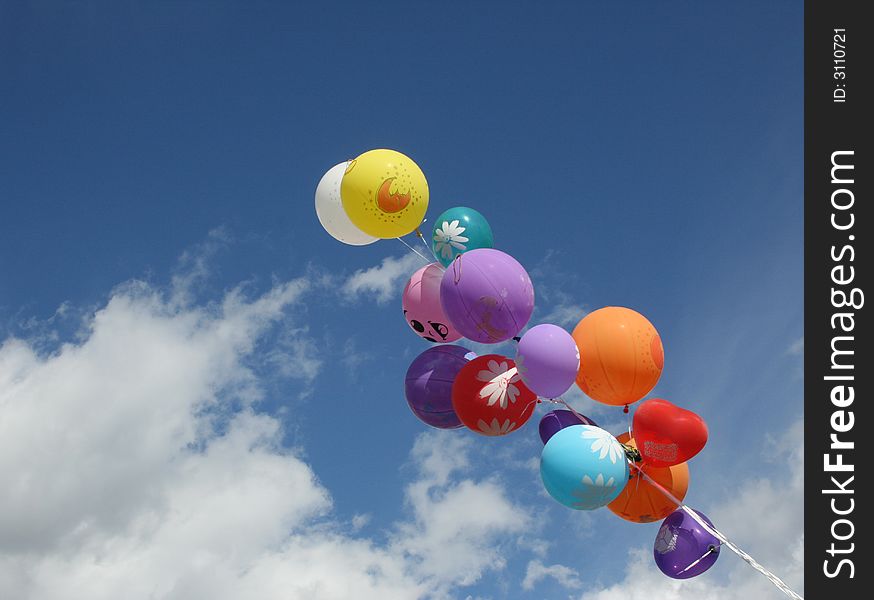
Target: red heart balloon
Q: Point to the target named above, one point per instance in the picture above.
(667, 435)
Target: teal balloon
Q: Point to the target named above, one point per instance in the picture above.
(583, 467)
(458, 230)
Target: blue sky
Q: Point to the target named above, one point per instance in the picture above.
(159, 162)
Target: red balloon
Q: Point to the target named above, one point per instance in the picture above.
(489, 397)
(667, 435)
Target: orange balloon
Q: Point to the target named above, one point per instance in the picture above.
(621, 355)
(641, 501)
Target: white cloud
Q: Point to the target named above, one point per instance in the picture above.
(86, 433)
(537, 571)
(765, 518)
(453, 538)
(135, 465)
(554, 304)
(295, 355)
(193, 268)
(565, 315)
(353, 356)
(360, 521)
(384, 281)
(796, 348)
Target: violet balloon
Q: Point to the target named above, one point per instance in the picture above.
(683, 548)
(487, 295)
(428, 385)
(548, 360)
(555, 421)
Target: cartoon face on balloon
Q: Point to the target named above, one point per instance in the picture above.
(433, 331)
(422, 309)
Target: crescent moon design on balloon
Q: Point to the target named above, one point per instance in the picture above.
(388, 202)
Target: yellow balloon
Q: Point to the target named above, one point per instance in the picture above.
(384, 193)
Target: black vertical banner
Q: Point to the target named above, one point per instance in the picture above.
(838, 213)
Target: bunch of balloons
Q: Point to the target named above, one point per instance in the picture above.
(614, 355)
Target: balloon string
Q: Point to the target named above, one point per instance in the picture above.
(533, 402)
(429, 248)
(414, 251)
(710, 551)
(778, 583)
(561, 400)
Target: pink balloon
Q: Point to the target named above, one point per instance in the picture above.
(422, 309)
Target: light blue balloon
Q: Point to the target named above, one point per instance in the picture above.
(583, 467)
(458, 230)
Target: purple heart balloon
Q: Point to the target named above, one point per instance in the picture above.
(548, 360)
(487, 295)
(429, 382)
(555, 421)
(683, 548)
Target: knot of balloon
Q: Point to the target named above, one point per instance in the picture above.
(625, 410)
(632, 453)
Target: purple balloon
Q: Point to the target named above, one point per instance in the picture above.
(681, 542)
(429, 381)
(555, 421)
(548, 360)
(487, 295)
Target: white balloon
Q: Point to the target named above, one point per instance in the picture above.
(329, 209)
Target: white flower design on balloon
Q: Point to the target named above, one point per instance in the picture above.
(604, 443)
(666, 540)
(598, 492)
(499, 383)
(448, 238)
(495, 428)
